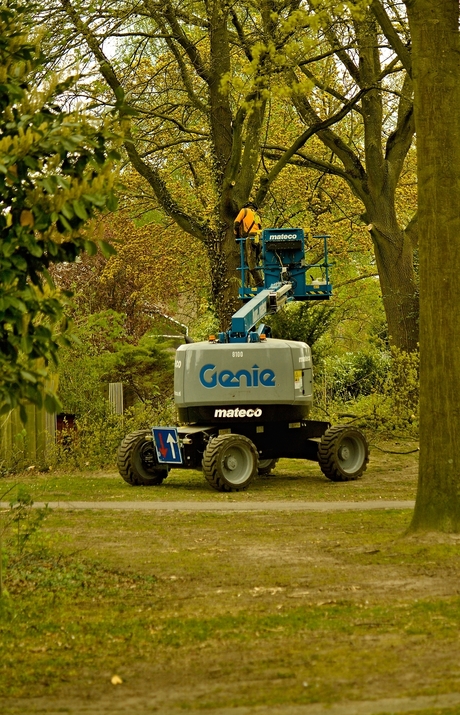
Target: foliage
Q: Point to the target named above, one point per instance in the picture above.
(304, 321)
(351, 375)
(56, 173)
(380, 390)
(93, 441)
(101, 353)
(157, 270)
(19, 527)
(221, 103)
(145, 368)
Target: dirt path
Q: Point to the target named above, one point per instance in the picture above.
(225, 506)
(135, 705)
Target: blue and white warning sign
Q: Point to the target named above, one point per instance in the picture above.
(167, 445)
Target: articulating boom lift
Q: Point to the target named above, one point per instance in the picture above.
(244, 398)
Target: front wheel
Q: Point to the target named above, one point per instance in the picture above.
(137, 460)
(343, 453)
(230, 462)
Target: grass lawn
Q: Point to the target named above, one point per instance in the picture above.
(388, 476)
(200, 611)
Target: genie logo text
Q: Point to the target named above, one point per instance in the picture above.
(210, 377)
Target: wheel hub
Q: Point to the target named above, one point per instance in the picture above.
(344, 453)
(231, 463)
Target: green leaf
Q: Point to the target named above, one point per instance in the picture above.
(107, 249)
(67, 211)
(96, 199)
(19, 262)
(52, 403)
(90, 248)
(6, 405)
(8, 248)
(23, 414)
(62, 182)
(49, 185)
(49, 277)
(28, 376)
(27, 345)
(31, 163)
(80, 210)
(65, 223)
(112, 202)
(16, 303)
(31, 244)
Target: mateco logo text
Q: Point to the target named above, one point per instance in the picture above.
(210, 377)
(238, 412)
(282, 236)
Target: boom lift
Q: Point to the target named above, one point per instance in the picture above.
(244, 398)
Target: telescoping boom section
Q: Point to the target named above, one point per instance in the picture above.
(244, 398)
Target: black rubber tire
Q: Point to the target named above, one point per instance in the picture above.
(266, 466)
(230, 462)
(137, 460)
(343, 453)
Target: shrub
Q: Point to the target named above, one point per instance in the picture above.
(93, 442)
(354, 374)
(378, 390)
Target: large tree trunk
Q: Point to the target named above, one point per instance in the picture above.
(224, 257)
(399, 291)
(436, 60)
(394, 257)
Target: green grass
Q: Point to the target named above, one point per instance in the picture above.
(389, 476)
(218, 610)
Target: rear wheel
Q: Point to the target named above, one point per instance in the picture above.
(343, 453)
(137, 460)
(230, 462)
(266, 466)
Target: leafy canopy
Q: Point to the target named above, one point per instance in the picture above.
(56, 173)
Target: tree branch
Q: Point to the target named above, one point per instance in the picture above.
(151, 174)
(318, 126)
(355, 280)
(392, 36)
(306, 160)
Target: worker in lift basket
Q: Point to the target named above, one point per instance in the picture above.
(247, 225)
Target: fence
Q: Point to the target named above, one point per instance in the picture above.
(21, 443)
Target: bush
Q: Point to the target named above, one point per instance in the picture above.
(303, 321)
(93, 442)
(354, 374)
(378, 390)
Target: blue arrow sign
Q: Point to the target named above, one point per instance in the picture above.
(167, 445)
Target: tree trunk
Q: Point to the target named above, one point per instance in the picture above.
(436, 61)
(394, 257)
(224, 257)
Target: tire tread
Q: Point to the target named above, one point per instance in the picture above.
(125, 466)
(209, 465)
(327, 454)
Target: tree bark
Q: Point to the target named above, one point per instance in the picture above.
(436, 74)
